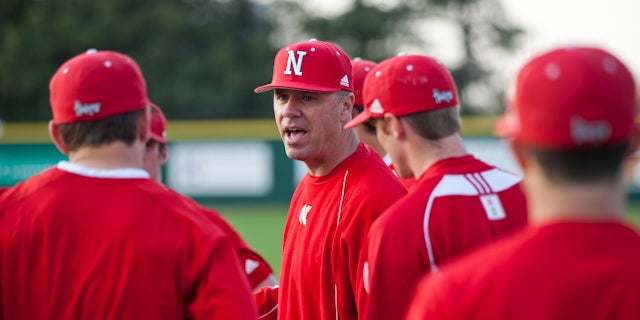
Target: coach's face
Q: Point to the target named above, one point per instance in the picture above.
(310, 123)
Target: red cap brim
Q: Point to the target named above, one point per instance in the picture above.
(297, 86)
(363, 117)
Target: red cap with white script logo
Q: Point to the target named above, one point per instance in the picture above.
(311, 66)
(96, 85)
(406, 84)
(571, 97)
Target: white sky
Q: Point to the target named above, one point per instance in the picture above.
(611, 24)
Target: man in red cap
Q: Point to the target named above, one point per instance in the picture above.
(94, 237)
(365, 131)
(457, 203)
(346, 188)
(257, 270)
(571, 120)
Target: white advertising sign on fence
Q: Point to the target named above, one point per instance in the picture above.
(221, 168)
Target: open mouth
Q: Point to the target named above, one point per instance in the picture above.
(293, 132)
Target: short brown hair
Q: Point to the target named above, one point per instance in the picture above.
(602, 164)
(121, 127)
(435, 124)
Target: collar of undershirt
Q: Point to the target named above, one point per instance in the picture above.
(120, 173)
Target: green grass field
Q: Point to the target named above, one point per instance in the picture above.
(262, 225)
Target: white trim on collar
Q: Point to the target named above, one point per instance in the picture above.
(123, 173)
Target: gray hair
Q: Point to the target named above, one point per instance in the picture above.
(342, 94)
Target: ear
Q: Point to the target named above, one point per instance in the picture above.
(56, 137)
(164, 153)
(519, 154)
(144, 125)
(346, 107)
(397, 128)
(634, 142)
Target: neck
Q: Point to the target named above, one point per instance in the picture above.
(334, 154)
(424, 153)
(116, 155)
(158, 176)
(549, 202)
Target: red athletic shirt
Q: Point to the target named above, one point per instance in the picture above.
(571, 270)
(457, 204)
(255, 267)
(77, 243)
(327, 224)
(407, 182)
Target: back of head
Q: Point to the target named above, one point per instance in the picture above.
(366, 132)
(311, 66)
(96, 98)
(575, 108)
(412, 86)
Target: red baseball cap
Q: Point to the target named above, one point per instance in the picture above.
(311, 66)
(158, 124)
(406, 84)
(95, 85)
(571, 97)
(360, 68)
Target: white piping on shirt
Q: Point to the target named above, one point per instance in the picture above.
(262, 316)
(269, 312)
(336, 299)
(494, 180)
(344, 184)
(344, 187)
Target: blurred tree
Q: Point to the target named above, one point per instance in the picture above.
(374, 32)
(201, 58)
(485, 30)
(367, 31)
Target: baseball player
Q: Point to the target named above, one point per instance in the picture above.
(571, 120)
(94, 237)
(365, 131)
(458, 201)
(346, 187)
(257, 270)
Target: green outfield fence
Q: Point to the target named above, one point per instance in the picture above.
(226, 161)
(226, 129)
(25, 149)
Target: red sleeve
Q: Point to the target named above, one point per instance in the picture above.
(353, 239)
(254, 266)
(267, 302)
(396, 260)
(219, 288)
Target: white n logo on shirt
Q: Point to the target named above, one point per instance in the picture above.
(296, 63)
(303, 214)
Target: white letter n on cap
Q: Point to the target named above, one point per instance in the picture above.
(296, 63)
